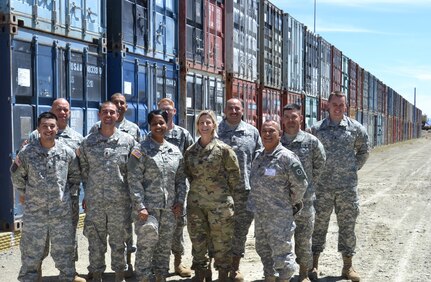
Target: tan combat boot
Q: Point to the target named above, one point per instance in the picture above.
(235, 275)
(223, 275)
(180, 269)
(348, 271)
(313, 274)
(303, 273)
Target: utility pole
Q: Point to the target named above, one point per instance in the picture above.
(314, 17)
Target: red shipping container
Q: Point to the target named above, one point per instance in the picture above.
(353, 82)
(269, 104)
(359, 87)
(336, 73)
(247, 92)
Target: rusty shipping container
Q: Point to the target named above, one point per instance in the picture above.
(372, 93)
(311, 107)
(324, 68)
(336, 71)
(269, 104)
(311, 63)
(359, 87)
(293, 54)
(247, 92)
(241, 35)
(365, 90)
(353, 84)
(381, 97)
(201, 41)
(270, 45)
(323, 109)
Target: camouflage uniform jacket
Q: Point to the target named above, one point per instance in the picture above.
(124, 126)
(104, 167)
(156, 175)
(69, 136)
(312, 155)
(44, 177)
(245, 141)
(347, 149)
(213, 173)
(278, 181)
(180, 137)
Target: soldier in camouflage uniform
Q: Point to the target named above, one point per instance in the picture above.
(103, 156)
(347, 149)
(278, 184)
(61, 108)
(312, 155)
(245, 141)
(181, 138)
(46, 173)
(213, 171)
(131, 128)
(158, 188)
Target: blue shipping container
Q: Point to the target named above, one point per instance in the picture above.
(36, 69)
(144, 81)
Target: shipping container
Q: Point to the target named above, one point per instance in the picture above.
(269, 105)
(381, 97)
(201, 41)
(336, 71)
(38, 68)
(380, 129)
(247, 92)
(270, 45)
(372, 93)
(241, 20)
(359, 87)
(293, 54)
(323, 109)
(205, 91)
(82, 20)
(310, 110)
(143, 27)
(353, 84)
(311, 63)
(365, 90)
(345, 76)
(143, 81)
(325, 68)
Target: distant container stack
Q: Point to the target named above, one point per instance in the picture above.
(48, 51)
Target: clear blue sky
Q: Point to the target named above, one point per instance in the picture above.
(389, 38)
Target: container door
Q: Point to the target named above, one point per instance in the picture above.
(22, 125)
(92, 118)
(93, 16)
(22, 77)
(94, 79)
(77, 119)
(74, 13)
(76, 76)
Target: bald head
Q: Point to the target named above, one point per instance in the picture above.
(233, 111)
(61, 109)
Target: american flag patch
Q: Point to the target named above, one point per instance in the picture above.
(137, 153)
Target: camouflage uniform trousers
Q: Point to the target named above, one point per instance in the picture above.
(243, 219)
(178, 236)
(39, 231)
(211, 229)
(99, 224)
(346, 204)
(129, 232)
(153, 235)
(303, 232)
(274, 233)
(75, 220)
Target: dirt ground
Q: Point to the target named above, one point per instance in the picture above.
(393, 230)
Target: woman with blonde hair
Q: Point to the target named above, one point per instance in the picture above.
(213, 171)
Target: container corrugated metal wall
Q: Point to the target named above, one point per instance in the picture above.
(293, 54)
(269, 104)
(325, 68)
(270, 45)
(83, 20)
(311, 110)
(345, 76)
(241, 18)
(359, 87)
(247, 92)
(353, 84)
(365, 91)
(311, 64)
(337, 65)
(38, 68)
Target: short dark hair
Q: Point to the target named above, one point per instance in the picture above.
(153, 113)
(46, 115)
(337, 94)
(106, 103)
(292, 106)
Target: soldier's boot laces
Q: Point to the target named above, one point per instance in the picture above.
(199, 275)
(303, 273)
(119, 276)
(78, 278)
(348, 272)
(235, 275)
(160, 278)
(223, 275)
(313, 274)
(128, 273)
(180, 269)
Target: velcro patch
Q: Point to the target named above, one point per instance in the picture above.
(137, 153)
(299, 172)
